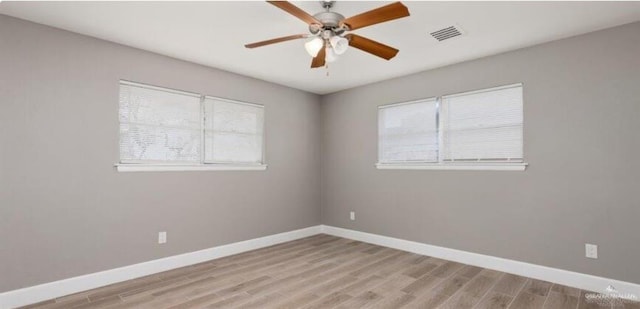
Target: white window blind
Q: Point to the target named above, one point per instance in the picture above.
(164, 127)
(480, 130)
(408, 132)
(482, 125)
(159, 125)
(233, 131)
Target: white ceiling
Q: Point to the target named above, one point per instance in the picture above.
(213, 33)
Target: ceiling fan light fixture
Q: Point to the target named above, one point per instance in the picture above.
(339, 44)
(330, 55)
(313, 46)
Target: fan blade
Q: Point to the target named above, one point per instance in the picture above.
(318, 60)
(371, 46)
(386, 13)
(277, 40)
(296, 11)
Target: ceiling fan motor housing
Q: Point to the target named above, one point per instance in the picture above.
(330, 21)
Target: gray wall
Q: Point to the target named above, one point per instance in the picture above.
(65, 211)
(582, 111)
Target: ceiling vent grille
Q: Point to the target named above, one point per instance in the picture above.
(446, 33)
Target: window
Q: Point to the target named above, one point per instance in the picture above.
(408, 132)
(159, 126)
(472, 130)
(233, 132)
(164, 129)
(483, 125)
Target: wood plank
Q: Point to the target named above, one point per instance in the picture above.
(447, 269)
(563, 289)
(440, 293)
(297, 302)
(362, 285)
(560, 300)
(537, 287)
(470, 271)
(366, 298)
(419, 270)
(509, 284)
(471, 293)
(526, 300)
(329, 301)
(199, 302)
(494, 300)
(392, 300)
(229, 302)
(425, 282)
(261, 302)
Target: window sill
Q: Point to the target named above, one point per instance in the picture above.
(455, 166)
(187, 168)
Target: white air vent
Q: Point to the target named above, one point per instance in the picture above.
(446, 33)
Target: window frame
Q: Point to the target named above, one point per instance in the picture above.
(202, 165)
(441, 164)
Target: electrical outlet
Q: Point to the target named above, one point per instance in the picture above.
(352, 216)
(162, 237)
(591, 251)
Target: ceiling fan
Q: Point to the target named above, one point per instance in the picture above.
(330, 31)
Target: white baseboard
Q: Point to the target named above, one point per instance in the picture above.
(60, 288)
(578, 280)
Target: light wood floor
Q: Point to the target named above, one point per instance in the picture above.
(329, 272)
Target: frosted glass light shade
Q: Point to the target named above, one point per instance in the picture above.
(339, 44)
(330, 55)
(313, 46)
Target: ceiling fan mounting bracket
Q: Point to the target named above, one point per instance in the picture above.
(327, 5)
